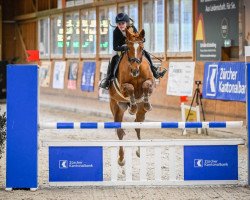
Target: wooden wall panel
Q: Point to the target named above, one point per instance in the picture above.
(8, 48)
(46, 4)
(23, 7)
(53, 4)
(7, 9)
(43, 5)
(29, 36)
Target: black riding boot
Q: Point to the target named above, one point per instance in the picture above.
(105, 83)
(156, 73)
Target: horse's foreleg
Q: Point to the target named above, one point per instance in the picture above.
(129, 91)
(147, 87)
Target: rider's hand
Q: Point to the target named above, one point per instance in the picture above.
(125, 47)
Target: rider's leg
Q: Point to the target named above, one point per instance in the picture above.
(105, 83)
(153, 68)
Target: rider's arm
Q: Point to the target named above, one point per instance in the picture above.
(121, 48)
(117, 41)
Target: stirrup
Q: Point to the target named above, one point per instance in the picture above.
(105, 84)
(163, 72)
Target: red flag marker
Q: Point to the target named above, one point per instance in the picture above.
(33, 55)
(183, 99)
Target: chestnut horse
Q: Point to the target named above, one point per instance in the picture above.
(133, 86)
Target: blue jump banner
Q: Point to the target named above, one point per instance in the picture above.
(75, 164)
(22, 126)
(211, 162)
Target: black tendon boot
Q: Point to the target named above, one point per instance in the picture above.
(105, 83)
(154, 70)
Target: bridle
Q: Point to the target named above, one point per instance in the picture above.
(134, 60)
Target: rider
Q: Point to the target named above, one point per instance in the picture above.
(119, 45)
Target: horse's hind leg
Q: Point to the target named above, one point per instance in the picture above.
(121, 159)
(147, 87)
(140, 117)
(118, 116)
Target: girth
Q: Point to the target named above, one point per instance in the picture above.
(117, 87)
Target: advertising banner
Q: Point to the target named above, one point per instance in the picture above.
(75, 164)
(180, 78)
(59, 72)
(72, 78)
(225, 81)
(44, 74)
(211, 162)
(88, 76)
(103, 94)
(217, 26)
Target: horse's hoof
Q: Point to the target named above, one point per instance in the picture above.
(138, 153)
(147, 106)
(132, 110)
(121, 163)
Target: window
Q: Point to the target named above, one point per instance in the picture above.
(153, 24)
(132, 10)
(57, 36)
(72, 34)
(43, 38)
(180, 32)
(106, 31)
(88, 32)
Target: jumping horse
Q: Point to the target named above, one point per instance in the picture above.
(132, 86)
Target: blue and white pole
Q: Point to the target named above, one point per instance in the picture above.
(143, 125)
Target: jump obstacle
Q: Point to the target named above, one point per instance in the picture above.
(70, 163)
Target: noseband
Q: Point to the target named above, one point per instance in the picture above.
(132, 60)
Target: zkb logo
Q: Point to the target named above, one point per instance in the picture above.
(63, 164)
(198, 163)
(212, 80)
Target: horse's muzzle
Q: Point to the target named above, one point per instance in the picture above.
(135, 72)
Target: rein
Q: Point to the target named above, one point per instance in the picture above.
(155, 57)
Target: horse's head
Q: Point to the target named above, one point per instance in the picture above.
(134, 42)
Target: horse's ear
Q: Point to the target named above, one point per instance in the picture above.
(142, 33)
(127, 32)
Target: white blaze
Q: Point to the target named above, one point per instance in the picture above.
(136, 45)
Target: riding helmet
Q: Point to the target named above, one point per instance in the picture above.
(122, 17)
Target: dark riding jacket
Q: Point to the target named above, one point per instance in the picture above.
(119, 39)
